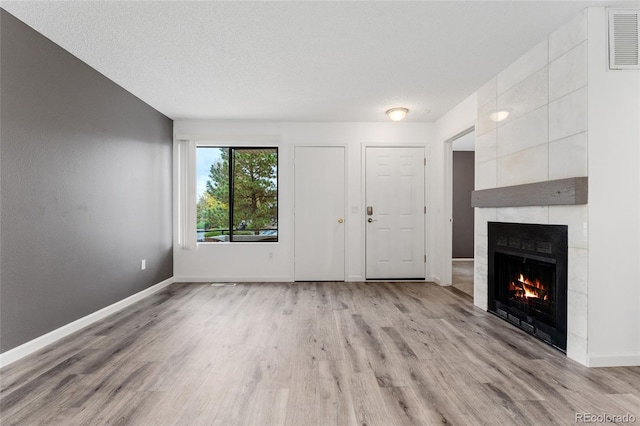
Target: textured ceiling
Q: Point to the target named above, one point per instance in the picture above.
(298, 61)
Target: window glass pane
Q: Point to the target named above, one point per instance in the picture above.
(255, 194)
(212, 193)
(237, 193)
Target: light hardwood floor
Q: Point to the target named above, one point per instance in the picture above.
(307, 354)
(462, 275)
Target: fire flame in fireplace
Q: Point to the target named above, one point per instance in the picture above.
(527, 288)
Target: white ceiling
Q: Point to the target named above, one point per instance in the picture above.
(298, 61)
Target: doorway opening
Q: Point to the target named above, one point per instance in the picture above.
(462, 214)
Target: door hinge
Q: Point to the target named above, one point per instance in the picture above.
(425, 209)
(425, 258)
(425, 161)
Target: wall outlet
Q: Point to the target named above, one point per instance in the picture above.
(270, 255)
(143, 264)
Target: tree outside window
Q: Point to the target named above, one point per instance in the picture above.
(237, 194)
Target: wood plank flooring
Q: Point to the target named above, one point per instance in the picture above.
(462, 276)
(307, 354)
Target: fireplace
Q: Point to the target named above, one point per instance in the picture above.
(528, 278)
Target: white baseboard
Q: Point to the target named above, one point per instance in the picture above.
(361, 279)
(440, 282)
(198, 279)
(624, 359)
(46, 339)
(236, 279)
(462, 259)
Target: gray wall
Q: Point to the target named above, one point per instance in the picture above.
(463, 182)
(85, 177)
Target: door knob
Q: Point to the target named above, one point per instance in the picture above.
(340, 220)
(371, 220)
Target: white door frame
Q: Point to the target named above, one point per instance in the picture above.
(363, 200)
(447, 257)
(347, 218)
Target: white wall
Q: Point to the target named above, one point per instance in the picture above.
(614, 205)
(275, 261)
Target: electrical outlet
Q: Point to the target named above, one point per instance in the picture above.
(270, 255)
(143, 264)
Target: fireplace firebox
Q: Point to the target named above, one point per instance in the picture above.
(527, 278)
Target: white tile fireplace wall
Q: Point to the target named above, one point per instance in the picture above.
(543, 138)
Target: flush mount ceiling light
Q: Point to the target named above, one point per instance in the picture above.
(397, 114)
(499, 115)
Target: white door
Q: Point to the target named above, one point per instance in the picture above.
(395, 213)
(319, 213)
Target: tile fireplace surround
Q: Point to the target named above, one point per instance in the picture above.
(543, 139)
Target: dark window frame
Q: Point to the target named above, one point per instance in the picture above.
(231, 171)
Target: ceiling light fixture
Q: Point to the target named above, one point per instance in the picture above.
(499, 115)
(397, 114)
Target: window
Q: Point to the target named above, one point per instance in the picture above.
(237, 194)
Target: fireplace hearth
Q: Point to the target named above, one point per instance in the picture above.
(528, 278)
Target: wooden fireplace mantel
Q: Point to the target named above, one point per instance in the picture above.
(560, 192)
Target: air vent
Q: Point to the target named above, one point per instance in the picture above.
(624, 39)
